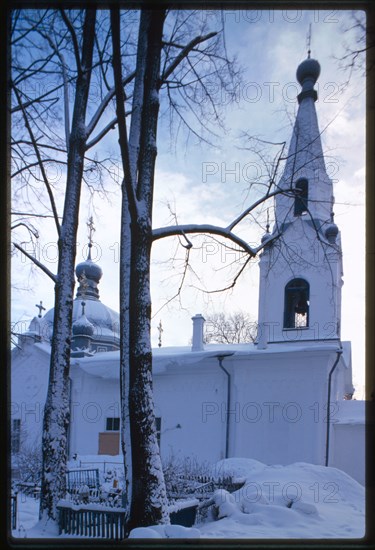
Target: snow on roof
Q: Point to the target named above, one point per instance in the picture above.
(43, 346)
(106, 364)
(351, 411)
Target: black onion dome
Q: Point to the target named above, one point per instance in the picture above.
(308, 70)
(331, 232)
(90, 269)
(88, 274)
(83, 327)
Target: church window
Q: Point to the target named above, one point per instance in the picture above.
(296, 305)
(301, 200)
(113, 424)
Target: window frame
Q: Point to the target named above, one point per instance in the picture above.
(301, 200)
(294, 290)
(112, 421)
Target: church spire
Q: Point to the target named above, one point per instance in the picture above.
(305, 169)
(300, 273)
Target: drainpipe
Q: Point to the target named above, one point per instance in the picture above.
(229, 392)
(339, 353)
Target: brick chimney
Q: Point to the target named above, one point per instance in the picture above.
(198, 322)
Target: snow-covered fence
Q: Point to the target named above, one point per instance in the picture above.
(76, 478)
(202, 486)
(103, 466)
(91, 521)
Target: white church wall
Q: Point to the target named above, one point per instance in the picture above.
(348, 445)
(348, 450)
(29, 381)
(93, 400)
(280, 407)
(188, 398)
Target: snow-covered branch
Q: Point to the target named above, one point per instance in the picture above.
(110, 126)
(246, 212)
(100, 110)
(203, 229)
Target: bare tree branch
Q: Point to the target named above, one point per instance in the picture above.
(74, 40)
(100, 110)
(203, 228)
(41, 166)
(184, 53)
(36, 262)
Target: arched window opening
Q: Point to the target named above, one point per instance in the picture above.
(297, 302)
(302, 196)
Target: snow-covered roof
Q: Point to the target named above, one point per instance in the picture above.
(106, 365)
(351, 411)
(106, 321)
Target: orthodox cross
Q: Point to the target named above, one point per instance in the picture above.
(90, 225)
(308, 40)
(160, 329)
(41, 308)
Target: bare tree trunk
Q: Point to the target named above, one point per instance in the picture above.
(146, 500)
(56, 413)
(149, 500)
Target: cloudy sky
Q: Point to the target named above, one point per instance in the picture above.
(205, 184)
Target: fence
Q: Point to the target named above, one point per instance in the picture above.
(103, 466)
(76, 478)
(91, 522)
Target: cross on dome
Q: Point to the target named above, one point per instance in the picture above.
(309, 42)
(91, 227)
(41, 308)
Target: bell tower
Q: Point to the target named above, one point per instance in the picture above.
(301, 269)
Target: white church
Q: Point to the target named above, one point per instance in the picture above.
(285, 398)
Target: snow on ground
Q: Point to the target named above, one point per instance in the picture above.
(296, 501)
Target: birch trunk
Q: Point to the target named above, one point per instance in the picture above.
(149, 501)
(132, 153)
(56, 412)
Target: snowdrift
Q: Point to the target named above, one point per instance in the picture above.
(296, 501)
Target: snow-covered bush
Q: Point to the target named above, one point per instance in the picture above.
(27, 464)
(180, 473)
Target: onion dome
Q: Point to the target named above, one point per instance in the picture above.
(88, 274)
(97, 323)
(308, 70)
(82, 326)
(90, 269)
(331, 233)
(307, 74)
